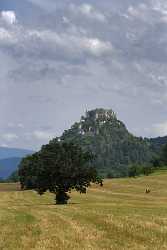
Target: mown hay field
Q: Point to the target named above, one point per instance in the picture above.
(118, 216)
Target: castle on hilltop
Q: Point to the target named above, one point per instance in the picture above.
(94, 119)
(101, 114)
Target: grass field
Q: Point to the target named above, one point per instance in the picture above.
(118, 216)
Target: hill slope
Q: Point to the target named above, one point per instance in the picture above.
(8, 166)
(158, 142)
(13, 152)
(9, 160)
(108, 138)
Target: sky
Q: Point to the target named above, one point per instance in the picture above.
(61, 57)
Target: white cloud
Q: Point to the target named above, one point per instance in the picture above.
(4, 145)
(15, 125)
(42, 135)
(20, 125)
(11, 125)
(8, 16)
(132, 11)
(5, 35)
(88, 11)
(140, 11)
(160, 6)
(72, 43)
(97, 47)
(164, 19)
(47, 42)
(65, 20)
(10, 137)
(160, 129)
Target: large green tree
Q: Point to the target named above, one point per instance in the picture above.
(58, 167)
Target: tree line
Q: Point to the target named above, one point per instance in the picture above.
(60, 167)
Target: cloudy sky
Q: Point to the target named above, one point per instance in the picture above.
(61, 57)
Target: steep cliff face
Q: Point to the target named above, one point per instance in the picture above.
(115, 148)
(93, 122)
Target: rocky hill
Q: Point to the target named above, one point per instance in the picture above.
(115, 148)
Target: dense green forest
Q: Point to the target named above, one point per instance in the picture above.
(108, 138)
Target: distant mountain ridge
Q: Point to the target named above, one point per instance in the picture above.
(8, 166)
(158, 142)
(6, 152)
(10, 159)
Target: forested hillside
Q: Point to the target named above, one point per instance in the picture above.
(157, 143)
(108, 138)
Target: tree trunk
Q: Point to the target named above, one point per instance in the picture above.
(62, 197)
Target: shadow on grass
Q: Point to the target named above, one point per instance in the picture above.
(43, 205)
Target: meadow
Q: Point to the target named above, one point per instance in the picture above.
(118, 216)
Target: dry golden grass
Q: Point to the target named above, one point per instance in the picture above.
(118, 216)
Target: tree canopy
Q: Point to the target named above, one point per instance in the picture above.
(58, 167)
